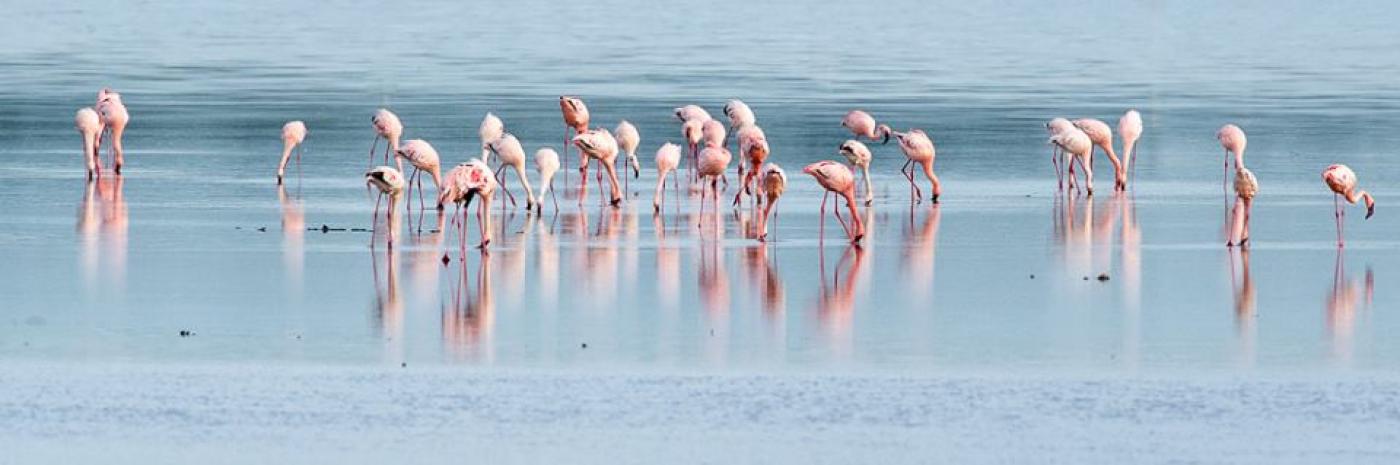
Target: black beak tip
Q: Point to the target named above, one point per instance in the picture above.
(1370, 211)
(887, 139)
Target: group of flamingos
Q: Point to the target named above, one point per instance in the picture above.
(707, 159)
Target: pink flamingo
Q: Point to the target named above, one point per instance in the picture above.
(600, 145)
(386, 125)
(692, 113)
(693, 131)
(1054, 127)
(1130, 129)
(714, 160)
(753, 148)
(575, 118)
(859, 156)
(491, 128)
(668, 157)
(512, 155)
(837, 178)
(862, 124)
(1102, 136)
(293, 133)
(546, 164)
(1232, 139)
(114, 119)
(740, 116)
(918, 147)
(1077, 144)
(1342, 181)
(423, 158)
(464, 182)
(1246, 187)
(89, 125)
(628, 139)
(774, 182)
(390, 182)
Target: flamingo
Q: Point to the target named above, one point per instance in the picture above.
(600, 145)
(628, 139)
(464, 182)
(386, 125)
(859, 155)
(422, 157)
(753, 147)
(491, 128)
(691, 112)
(1342, 181)
(774, 182)
(1102, 136)
(390, 182)
(1077, 144)
(862, 124)
(918, 147)
(714, 135)
(740, 116)
(546, 164)
(1054, 127)
(1246, 187)
(693, 131)
(1232, 139)
(668, 157)
(293, 133)
(512, 155)
(114, 119)
(1130, 129)
(575, 118)
(89, 125)
(713, 162)
(837, 178)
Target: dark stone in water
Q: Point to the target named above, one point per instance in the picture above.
(584, 345)
(1103, 277)
(186, 333)
(262, 229)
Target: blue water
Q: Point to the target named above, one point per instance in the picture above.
(116, 273)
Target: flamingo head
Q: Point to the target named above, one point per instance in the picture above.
(884, 132)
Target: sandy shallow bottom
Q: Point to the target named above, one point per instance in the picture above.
(243, 414)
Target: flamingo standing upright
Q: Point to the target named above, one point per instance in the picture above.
(114, 118)
(576, 119)
(918, 147)
(628, 139)
(1057, 156)
(740, 116)
(387, 126)
(1130, 129)
(862, 124)
(512, 155)
(1342, 181)
(1074, 142)
(1232, 139)
(668, 157)
(465, 182)
(837, 178)
(1246, 187)
(423, 158)
(293, 134)
(859, 155)
(390, 183)
(774, 182)
(1102, 136)
(753, 148)
(89, 125)
(600, 145)
(491, 128)
(546, 164)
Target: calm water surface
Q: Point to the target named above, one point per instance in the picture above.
(1002, 275)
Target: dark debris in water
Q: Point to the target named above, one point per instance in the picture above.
(186, 333)
(1102, 277)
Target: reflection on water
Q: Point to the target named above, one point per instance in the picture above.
(293, 235)
(102, 234)
(1242, 285)
(388, 303)
(1344, 302)
(469, 318)
(836, 300)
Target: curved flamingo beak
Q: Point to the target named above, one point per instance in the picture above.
(887, 138)
(1370, 209)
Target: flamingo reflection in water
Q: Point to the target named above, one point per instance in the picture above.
(469, 318)
(836, 301)
(1344, 301)
(293, 232)
(102, 230)
(388, 304)
(1242, 286)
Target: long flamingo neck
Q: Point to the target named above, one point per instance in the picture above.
(1357, 194)
(437, 177)
(660, 186)
(1239, 160)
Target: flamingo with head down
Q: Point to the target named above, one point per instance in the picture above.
(837, 178)
(1342, 180)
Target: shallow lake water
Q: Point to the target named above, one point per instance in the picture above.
(1001, 278)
